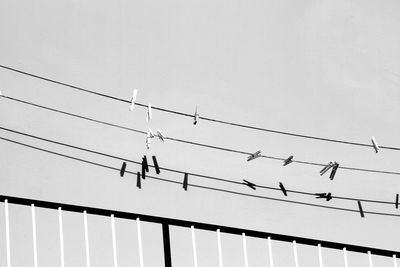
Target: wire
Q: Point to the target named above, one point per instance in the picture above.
(192, 142)
(195, 185)
(118, 158)
(183, 172)
(73, 115)
(200, 117)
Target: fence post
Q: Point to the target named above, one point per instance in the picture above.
(61, 232)
(246, 261)
(296, 259)
(321, 264)
(7, 232)
(370, 259)
(139, 233)
(271, 260)
(35, 261)
(194, 247)
(85, 225)
(346, 263)
(114, 240)
(167, 245)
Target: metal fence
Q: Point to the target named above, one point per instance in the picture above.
(166, 223)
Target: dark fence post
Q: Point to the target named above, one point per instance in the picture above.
(167, 245)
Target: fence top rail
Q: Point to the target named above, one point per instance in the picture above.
(198, 225)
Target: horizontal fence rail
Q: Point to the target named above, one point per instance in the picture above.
(166, 222)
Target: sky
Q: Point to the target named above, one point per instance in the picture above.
(321, 68)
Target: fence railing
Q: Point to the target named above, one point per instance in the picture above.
(166, 222)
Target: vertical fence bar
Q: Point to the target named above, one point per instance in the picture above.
(114, 240)
(346, 263)
(296, 260)
(35, 261)
(139, 233)
(271, 260)
(7, 233)
(85, 224)
(61, 231)
(321, 264)
(370, 259)
(194, 247)
(219, 248)
(246, 262)
(167, 245)
(394, 261)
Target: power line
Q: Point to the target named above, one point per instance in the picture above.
(200, 117)
(72, 114)
(118, 158)
(195, 185)
(192, 142)
(183, 172)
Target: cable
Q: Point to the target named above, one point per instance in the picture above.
(195, 185)
(72, 114)
(191, 142)
(200, 117)
(183, 172)
(119, 158)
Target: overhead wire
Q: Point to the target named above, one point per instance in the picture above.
(116, 157)
(183, 172)
(198, 186)
(192, 142)
(72, 114)
(200, 117)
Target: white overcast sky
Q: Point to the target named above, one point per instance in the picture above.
(323, 68)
